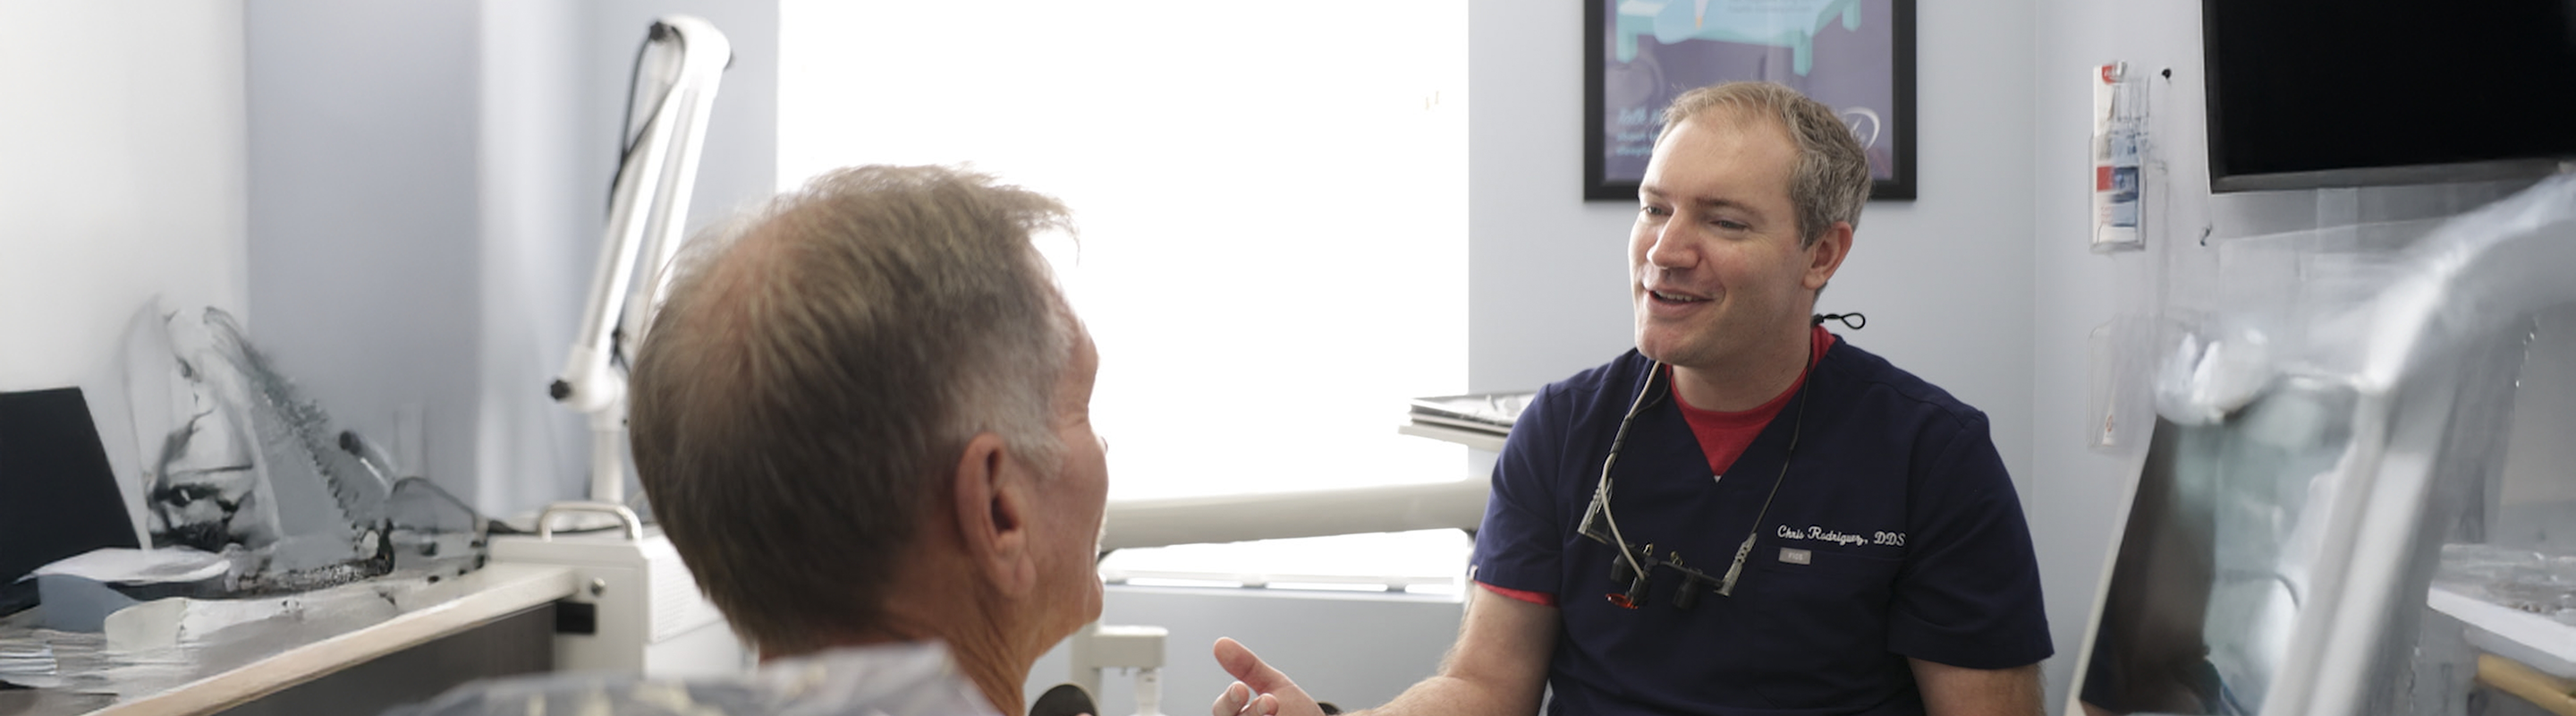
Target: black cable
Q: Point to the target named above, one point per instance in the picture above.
(1726, 586)
(1601, 490)
(626, 144)
(499, 527)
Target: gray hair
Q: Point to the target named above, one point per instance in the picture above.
(820, 365)
(1832, 178)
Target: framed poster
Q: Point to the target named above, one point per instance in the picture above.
(1856, 56)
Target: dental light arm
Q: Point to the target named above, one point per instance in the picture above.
(648, 209)
(1236, 518)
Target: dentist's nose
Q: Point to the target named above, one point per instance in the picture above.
(1671, 247)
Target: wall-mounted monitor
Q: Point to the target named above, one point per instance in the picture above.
(2319, 93)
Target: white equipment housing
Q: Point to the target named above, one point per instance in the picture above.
(642, 607)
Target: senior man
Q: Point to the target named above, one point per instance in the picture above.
(1745, 514)
(863, 419)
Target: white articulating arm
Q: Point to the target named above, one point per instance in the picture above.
(1237, 518)
(648, 209)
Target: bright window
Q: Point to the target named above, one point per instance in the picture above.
(1272, 200)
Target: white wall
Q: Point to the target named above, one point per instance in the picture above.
(2076, 504)
(362, 214)
(542, 181)
(1945, 279)
(428, 184)
(121, 179)
(120, 174)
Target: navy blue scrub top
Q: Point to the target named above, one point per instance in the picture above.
(1914, 546)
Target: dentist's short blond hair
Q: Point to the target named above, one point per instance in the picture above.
(1831, 182)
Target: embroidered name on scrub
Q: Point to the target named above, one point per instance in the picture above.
(1821, 534)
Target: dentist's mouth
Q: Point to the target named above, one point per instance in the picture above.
(1674, 297)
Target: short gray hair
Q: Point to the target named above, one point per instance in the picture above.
(1832, 179)
(818, 368)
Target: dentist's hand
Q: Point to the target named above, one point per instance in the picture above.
(1259, 689)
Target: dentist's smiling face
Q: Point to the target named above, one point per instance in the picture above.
(1714, 261)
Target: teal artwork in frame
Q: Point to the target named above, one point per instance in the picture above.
(1856, 56)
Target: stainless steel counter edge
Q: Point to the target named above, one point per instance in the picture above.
(496, 591)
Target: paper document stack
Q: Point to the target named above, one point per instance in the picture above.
(1479, 421)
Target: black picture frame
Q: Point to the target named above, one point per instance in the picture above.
(1615, 140)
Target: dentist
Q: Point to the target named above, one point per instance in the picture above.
(1746, 514)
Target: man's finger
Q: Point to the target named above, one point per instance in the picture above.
(1239, 661)
(1231, 702)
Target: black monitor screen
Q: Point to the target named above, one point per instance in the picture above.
(2299, 87)
(58, 497)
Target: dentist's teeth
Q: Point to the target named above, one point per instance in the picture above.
(1676, 298)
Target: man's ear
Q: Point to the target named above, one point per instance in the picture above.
(1826, 256)
(993, 506)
